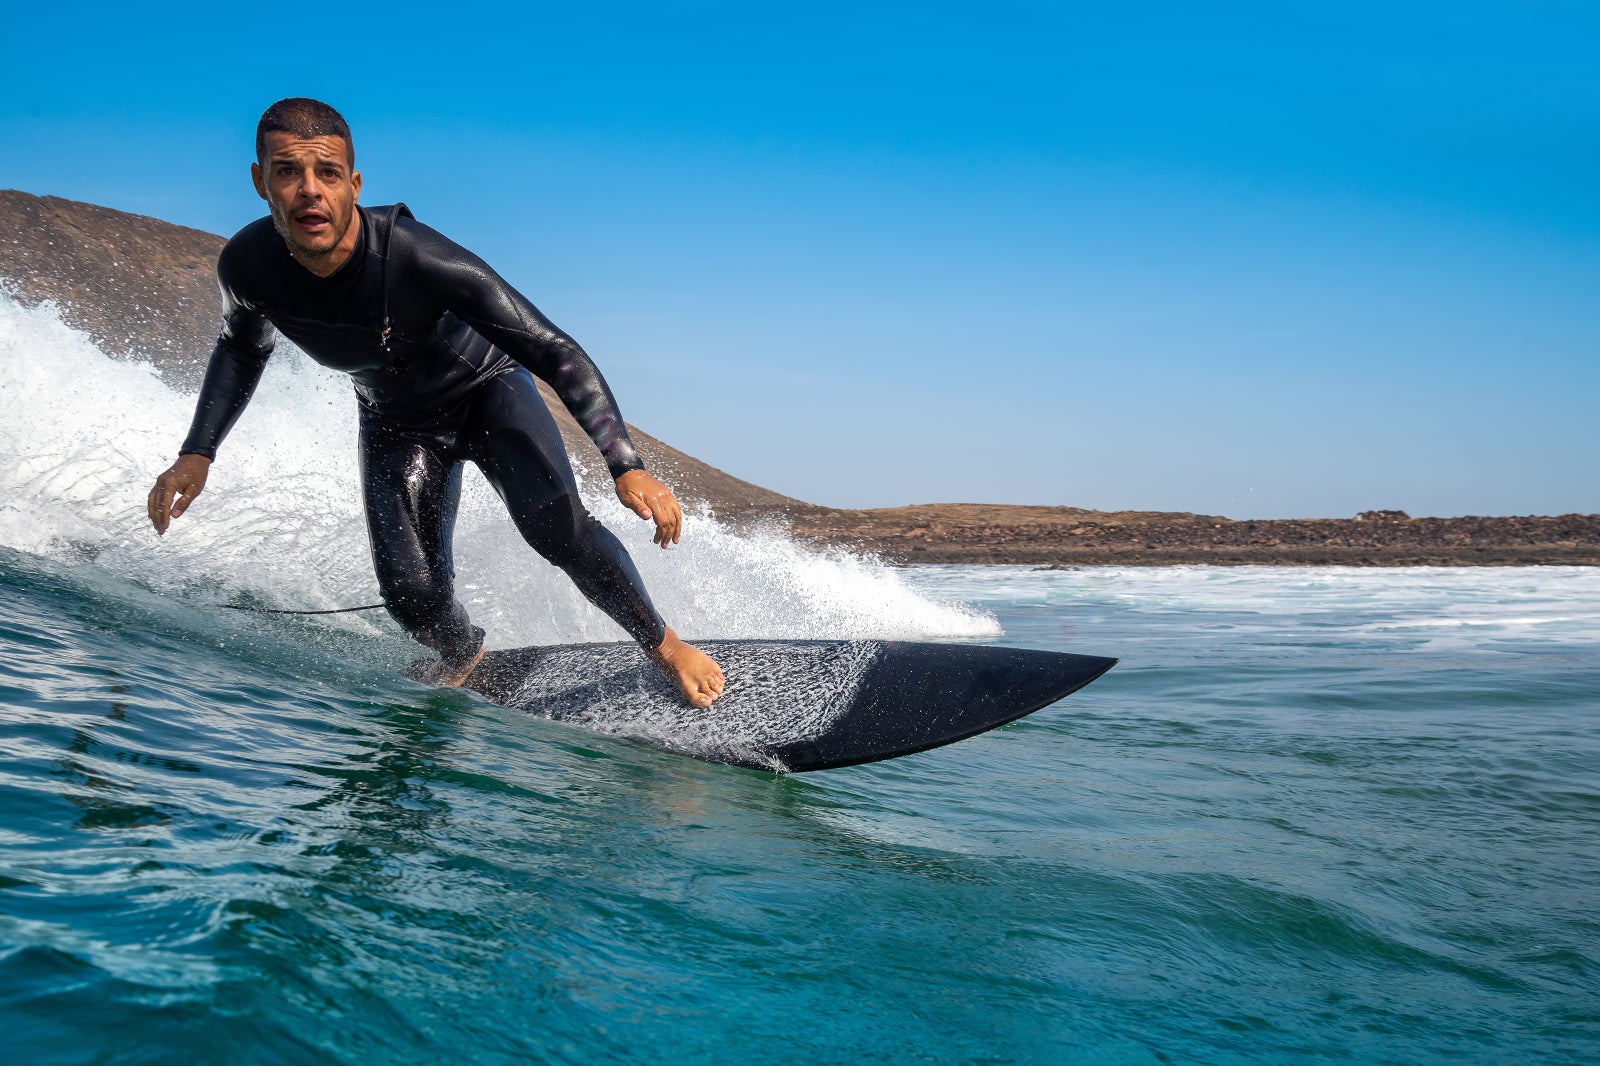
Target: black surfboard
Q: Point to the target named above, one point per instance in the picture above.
(790, 705)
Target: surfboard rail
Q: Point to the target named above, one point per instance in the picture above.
(790, 706)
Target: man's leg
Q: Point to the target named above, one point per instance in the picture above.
(513, 439)
(411, 489)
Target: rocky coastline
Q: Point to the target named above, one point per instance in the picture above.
(1070, 536)
(144, 288)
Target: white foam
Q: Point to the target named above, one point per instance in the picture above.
(1441, 606)
(83, 437)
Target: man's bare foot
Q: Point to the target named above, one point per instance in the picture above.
(447, 671)
(700, 679)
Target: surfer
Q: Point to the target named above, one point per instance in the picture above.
(443, 353)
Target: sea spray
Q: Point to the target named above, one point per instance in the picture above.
(84, 436)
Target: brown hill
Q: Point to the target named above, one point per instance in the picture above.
(1071, 536)
(146, 288)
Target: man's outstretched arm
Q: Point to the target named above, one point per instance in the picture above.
(241, 353)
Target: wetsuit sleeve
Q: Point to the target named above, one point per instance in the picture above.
(483, 300)
(244, 344)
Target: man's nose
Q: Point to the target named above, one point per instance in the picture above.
(309, 186)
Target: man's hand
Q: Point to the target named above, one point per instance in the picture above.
(184, 479)
(647, 497)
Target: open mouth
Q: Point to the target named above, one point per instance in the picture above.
(314, 221)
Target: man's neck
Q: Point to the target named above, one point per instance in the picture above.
(328, 264)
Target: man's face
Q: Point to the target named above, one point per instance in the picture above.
(311, 188)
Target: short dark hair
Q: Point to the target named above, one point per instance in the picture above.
(302, 117)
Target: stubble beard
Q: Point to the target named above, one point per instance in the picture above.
(284, 224)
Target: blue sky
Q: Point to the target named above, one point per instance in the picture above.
(1253, 259)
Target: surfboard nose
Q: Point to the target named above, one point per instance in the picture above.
(917, 696)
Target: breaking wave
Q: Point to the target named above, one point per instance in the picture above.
(84, 436)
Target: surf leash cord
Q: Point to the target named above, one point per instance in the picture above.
(287, 610)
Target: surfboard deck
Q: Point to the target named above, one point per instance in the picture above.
(789, 705)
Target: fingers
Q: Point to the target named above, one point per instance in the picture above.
(181, 504)
(648, 498)
(158, 503)
(174, 491)
(677, 521)
(669, 519)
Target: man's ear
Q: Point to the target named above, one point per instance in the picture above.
(355, 183)
(259, 180)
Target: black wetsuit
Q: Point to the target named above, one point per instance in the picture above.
(440, 348)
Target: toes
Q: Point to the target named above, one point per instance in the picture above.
(700, 678)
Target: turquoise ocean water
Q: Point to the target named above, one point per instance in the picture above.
(1314, 815)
